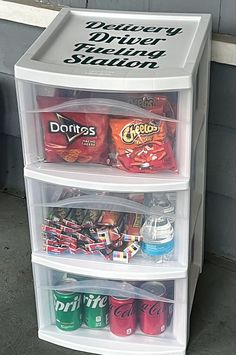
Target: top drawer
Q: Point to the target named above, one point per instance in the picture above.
(145, 132)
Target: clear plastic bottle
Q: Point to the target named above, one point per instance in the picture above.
(158, 239)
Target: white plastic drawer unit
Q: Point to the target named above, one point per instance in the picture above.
(86, 314)
(112, 232)
(114, 89)
(113, 116)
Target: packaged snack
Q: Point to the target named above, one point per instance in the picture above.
(159, 104)
(76, 215)
(73, 136)
(141, 145)
(134, 223)
(58, 213)
(109, 218)
(91, 217)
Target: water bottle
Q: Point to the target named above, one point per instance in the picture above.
(158, 239)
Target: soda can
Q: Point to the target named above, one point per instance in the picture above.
(153, 314)
(68, 307)
(96, 309)
(122, 316)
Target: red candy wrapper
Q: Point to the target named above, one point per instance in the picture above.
(73, 136)
(134, 224)
(142, 145)
(109, 218)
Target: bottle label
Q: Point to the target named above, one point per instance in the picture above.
(153, 249)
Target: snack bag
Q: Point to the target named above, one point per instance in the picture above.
(73, 136)
(158, 104)
(141, 145)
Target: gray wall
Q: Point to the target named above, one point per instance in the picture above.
(221, 172)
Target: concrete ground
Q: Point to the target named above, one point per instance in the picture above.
(213, 321)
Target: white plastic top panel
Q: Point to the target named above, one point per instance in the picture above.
(104, 178)
(108, 50)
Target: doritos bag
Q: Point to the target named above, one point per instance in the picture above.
(73, 136)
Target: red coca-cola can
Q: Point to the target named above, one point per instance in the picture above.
(153, 314)
(122, 316)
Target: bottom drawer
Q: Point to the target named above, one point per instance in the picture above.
(111, 316)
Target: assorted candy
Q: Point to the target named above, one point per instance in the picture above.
(128, 143)
(114, 235)
(98, 232)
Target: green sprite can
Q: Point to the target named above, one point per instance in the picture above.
(68, 307)
(96, 309)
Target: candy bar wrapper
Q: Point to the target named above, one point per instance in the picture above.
(50, 229)
(84, 237)
(132, 238)
(95, 246)
(77, 215)
(88, 233)
(71, 224)
(57, 214)
(69, 230)
(103, 235)
(93, 234)
(68, 239)
(134, 224)
(110, 218)
(120, 256)
(53, 242)
(50, 235)
(73, 136)
(55, 249)
(91, 218)
(132, 249)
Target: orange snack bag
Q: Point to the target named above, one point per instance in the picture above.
(141, 145)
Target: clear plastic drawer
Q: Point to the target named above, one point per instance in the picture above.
(134, 132)
(93, 228)
(95, 313)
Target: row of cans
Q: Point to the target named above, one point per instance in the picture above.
(123, 315)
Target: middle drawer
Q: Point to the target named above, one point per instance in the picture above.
(148, 231)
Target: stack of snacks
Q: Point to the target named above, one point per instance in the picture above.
(92, 232)
(133, 144)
